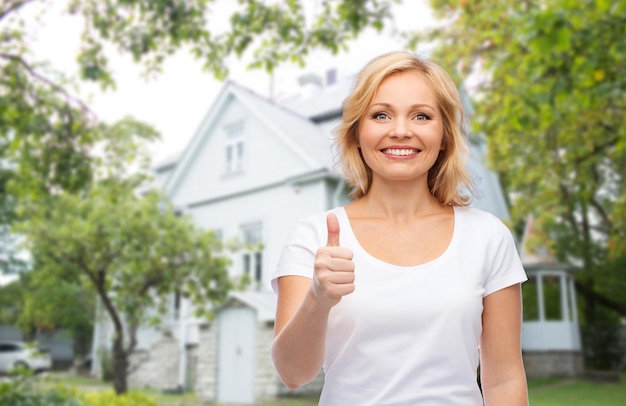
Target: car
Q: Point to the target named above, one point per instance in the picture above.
(18, 354)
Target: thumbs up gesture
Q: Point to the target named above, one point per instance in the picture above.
(334, 269)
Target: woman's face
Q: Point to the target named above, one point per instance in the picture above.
(401, 133)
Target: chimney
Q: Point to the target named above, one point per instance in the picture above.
(331, 76)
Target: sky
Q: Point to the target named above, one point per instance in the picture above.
(178, 99)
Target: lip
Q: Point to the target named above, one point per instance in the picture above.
(400, 151)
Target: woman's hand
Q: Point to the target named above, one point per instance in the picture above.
(334, 268)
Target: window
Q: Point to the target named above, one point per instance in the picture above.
(218, 236)
(9, 347)
(252, 234)
(234, 149)
(258, 269)
(176, 303)
(542, 299)
(245, 261)
(530, 299)
(252, 257)
(552, 297)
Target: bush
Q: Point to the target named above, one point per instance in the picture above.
(23, 391)
(20, 391)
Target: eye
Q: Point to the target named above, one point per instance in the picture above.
(422, 117)
(380, 116)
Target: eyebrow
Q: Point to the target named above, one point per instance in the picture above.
(413, 106)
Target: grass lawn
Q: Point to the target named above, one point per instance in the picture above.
(577, 393)
(542, 392)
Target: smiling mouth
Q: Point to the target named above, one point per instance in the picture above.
(400, 151)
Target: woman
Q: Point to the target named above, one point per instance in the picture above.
(401, 293)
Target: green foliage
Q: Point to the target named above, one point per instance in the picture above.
(51, 304)
(267, 33)
(547, 84)
(128, 245)
(21, 391)
(47, 133)
(10, 303)
(25, 391)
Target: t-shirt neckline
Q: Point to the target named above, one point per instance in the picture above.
(348, 233)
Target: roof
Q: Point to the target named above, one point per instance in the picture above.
(168, 162)
(264, 302)
(297, 127)
(538, 256)
(304, 137)
(324, 103)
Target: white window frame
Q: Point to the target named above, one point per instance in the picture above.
(252, 255)
(234, 149)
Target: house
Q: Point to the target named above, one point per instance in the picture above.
(253, 168)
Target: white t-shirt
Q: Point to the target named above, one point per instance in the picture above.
(409, 335)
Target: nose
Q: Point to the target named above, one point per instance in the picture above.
(401, 128)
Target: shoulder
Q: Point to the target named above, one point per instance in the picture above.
(481, 221)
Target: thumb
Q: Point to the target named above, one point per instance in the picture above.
(333, 230)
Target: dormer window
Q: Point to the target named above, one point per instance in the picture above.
(234, 149)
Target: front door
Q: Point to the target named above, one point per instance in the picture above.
(236, 355)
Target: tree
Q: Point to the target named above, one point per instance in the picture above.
(133, 250)
(547, 82)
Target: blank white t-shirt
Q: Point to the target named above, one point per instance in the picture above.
(409, 335)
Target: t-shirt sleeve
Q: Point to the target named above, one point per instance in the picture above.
(505, 268)
(298, 254)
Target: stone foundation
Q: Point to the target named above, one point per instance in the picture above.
(156, 368)
(206, 363)
(541, 364)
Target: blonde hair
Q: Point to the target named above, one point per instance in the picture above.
(448, 175)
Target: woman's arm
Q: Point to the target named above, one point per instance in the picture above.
(303, 307)
(299, 332)
(503, 378)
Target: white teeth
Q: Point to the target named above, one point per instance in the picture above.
(400, 152)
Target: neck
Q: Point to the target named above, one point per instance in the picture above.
(400, 201)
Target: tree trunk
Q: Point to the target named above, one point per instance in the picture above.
(119, 354)
(120, 365)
